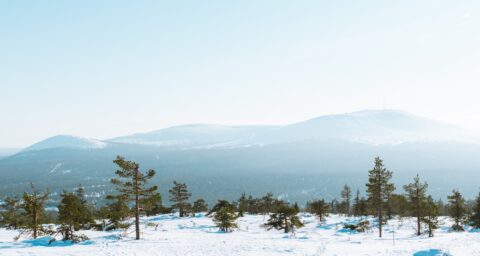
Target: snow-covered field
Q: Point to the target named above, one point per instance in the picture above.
(170, 235)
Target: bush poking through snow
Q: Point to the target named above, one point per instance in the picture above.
(362, 226)
(285, 218)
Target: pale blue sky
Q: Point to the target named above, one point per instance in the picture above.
(108, 68)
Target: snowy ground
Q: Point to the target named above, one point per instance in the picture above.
(199, 236)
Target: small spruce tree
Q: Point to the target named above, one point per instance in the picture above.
(346, 195)
(11, 215)
(224, 216)
(430, 215)
(179, 196)
(457, 210)
(200, 206)
(73, 213)
(34, 207)
(475, 217)
(319, 208)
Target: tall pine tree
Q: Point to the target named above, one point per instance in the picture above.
(132, 185)
(379, 189)
(416, 194)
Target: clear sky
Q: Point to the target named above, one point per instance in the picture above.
(107, 68)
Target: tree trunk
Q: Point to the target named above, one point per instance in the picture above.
(418, 212)
(35, 222)
(137, 207)
(380, 221)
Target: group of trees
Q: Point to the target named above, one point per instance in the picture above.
(135, 197)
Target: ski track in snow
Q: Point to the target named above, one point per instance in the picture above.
(198, 236)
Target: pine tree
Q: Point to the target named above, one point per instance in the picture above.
(268, 203)
(73, 213)
(475, 218)
(457, 210)
(115, 211)
(200, 205)
(379, 189)
(346, 195)
(356, 204)
(132, 185)
(430, 216)
(243, 203)
(285, 217)
(416, 193)
(319, 208)
(11, 215)
(179, 196)
(152, 205)
(224, 216)
(34, 207)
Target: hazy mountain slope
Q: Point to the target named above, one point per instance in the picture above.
(299, 171)
(300, 161)
(197, 135)
(371, 127)
(67, 141)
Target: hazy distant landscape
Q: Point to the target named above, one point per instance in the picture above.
(297, 162)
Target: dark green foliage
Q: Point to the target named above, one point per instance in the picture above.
(243, 205)
(399, 205)
(179, 196)
(285, 217)
(475, 217)
(11, 216)
(224, 215)
(344, 206)
(34, 207)
(132, 186)
(152, 205)
(430, 215)
(262, 205)
(319, 208)
(416, 194)
(73, 213)
(457, 210)
(359, 207)
(362, 226)
(116, 211)
(379, 190)
(200, 205)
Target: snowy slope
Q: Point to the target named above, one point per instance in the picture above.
(169, 235)
(197, 135)
(67, 141)
(375, 127)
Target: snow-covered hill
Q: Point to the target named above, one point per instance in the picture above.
(373, 127)
(67, 141)
(197, 135)
(198, 236)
